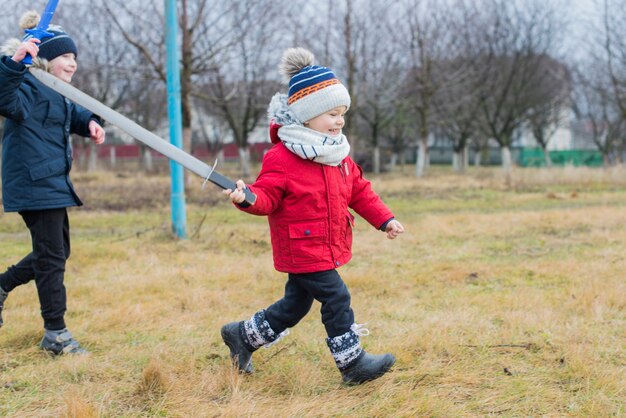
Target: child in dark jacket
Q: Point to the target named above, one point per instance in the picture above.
(305, 187)
(36, 161)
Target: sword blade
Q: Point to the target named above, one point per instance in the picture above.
(141, 134)
(46, 17)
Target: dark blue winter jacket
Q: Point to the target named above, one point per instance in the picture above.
(36, 147)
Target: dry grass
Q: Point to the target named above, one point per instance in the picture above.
(499, 300)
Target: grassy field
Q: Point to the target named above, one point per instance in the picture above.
(498, 301)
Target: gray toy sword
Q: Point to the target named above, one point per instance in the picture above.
(188, 161)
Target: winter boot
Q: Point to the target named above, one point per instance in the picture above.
(245, 337)
(367, 367)
(357, 366)
(3, 297)
(60, 342)
(240, 352)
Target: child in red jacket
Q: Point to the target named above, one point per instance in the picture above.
(305, 187)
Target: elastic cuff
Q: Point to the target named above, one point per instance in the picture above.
(18, 67)
(384, 226)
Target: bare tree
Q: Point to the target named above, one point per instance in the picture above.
(513, 42)
(400, 129)
(100, 50)
(380, 75)
(553, 104)
(421, 33)
(614, 16)
(596, 109)
(244, 76)
(203, 35)
(336, 35)
(456, 106)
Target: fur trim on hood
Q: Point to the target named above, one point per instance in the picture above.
(279, 111)
(11, 45)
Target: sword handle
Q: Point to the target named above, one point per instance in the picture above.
(40, 31)
(34, 33)
(226, 183)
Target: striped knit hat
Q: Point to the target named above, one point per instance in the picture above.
(313, 90)
(60, 43)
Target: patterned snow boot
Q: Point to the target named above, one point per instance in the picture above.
(60, 342)
(357, 366)
(245, 337)
(3, 297)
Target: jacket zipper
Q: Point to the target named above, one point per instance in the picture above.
(343, 175)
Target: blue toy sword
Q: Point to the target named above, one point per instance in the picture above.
(40, 31)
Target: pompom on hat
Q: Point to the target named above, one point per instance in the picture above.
(59, 44)
(313, 89)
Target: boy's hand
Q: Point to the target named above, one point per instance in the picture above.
(96, 133)
(393, 229)
(26, 47)
(237, 195)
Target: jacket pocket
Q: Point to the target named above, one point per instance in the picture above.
(308, 242)
(52, 168)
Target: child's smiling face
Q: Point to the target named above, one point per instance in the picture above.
(330, 122)
(64, 66)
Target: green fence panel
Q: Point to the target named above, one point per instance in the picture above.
(534, 157)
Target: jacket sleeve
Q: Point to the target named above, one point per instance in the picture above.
(16, 97)
(269, 186)
(364, 200)
(80, 120)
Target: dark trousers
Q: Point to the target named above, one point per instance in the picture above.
(328, 288)
(50, 234)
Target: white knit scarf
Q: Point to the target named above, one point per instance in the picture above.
(313, 145)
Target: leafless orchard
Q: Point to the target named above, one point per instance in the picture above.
(465, 72)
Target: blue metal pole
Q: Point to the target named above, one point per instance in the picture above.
(179, 217)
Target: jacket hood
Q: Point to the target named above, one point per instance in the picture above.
(11, 45)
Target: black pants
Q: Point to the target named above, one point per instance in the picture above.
(300, 290)
(50, 234)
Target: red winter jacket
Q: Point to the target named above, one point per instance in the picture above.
(307, 208)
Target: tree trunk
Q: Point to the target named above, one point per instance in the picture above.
(465, 157)
(146, 158)
(457, 161)
(422, 152)
(244, 161)
(507, 161)
(394, 161)
(376, 160)
(112, 159)
(507, 165)
(460, 160)
(187, 148)
(619, 153)
(92, 164)
(546, 156)
(478, 155)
